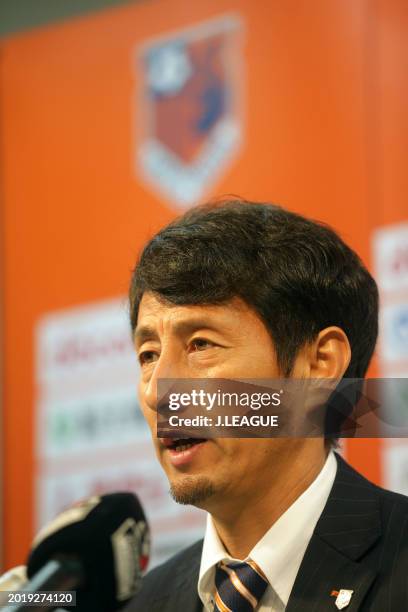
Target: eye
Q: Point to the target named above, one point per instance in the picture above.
(200, 344)
(146, 357)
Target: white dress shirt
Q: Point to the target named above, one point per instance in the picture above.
(279, 552)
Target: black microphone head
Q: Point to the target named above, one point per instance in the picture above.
(109, 535)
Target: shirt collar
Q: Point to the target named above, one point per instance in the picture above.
(280, 551)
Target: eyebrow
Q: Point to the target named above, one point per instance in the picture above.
(146, 332)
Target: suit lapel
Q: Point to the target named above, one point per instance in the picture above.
(181, 591)
(347, 528)
(323, 571)
(188, 597)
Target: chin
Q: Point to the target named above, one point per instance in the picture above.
(192, 490)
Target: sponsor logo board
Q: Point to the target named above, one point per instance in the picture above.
(91, 437)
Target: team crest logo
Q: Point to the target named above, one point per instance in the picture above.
(343, 598)
(190, 123)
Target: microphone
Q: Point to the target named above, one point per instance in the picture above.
(14, 578)
(99, 547)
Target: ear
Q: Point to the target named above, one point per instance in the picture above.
(329, 355)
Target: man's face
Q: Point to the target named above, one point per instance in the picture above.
(218, 341)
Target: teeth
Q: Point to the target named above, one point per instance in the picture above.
(182, 447)
(179, 447)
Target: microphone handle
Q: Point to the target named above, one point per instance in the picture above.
(56, 575)
(14, 578)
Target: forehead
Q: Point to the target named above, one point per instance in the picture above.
(159, 315)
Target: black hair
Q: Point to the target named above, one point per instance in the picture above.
(296, 273)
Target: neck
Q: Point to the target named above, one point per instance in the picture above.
(240, 525)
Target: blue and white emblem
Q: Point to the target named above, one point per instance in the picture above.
(190, 120)
(343, 598)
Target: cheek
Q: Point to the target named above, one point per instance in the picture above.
(235, 451)
(151, 420)
(149, 415)
(251, 454)
(257, 361)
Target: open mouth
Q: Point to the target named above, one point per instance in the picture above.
(182, 444)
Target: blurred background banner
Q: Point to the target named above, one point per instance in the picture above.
(116, 116)
(90, 433)
(390, 263)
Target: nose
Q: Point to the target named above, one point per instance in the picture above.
(168, 366)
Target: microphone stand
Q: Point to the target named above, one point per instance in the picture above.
(55, 576)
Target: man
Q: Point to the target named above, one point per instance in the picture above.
(242, 290)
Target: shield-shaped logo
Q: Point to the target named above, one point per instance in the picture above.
(343, 598)
(190, 122)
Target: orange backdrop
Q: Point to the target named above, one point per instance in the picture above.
(324, 89)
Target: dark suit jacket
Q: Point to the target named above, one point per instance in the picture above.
(360, 542)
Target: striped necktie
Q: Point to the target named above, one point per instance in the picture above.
(239, 586)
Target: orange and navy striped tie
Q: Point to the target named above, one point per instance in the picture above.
(238, 586)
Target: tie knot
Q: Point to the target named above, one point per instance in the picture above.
(239, 586)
